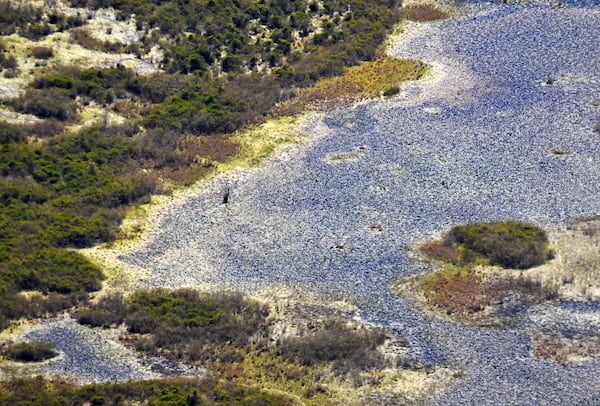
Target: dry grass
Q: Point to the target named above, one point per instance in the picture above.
(296, 312)
(258, 142)
(367, 80)
(424, 13)
(437, 250)
(83, 37)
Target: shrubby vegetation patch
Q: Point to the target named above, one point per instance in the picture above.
(182, 322)
(463, 286)
(29, 352)
(40, 391)
(510, 244)
(424, 13)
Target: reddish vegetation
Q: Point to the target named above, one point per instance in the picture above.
(217, 148)
(440, 251)
(559, 348)
(85, 39)
(463, 291)
(424, 13)
(456, 293)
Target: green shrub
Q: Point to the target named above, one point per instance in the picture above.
(50, 103)
(180, 320)
(510, 244)
(14, 17)
(69, 191)
(30, 352)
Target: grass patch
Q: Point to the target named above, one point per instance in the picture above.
(258, 142)
(367, 80)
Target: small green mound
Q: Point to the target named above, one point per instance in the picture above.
(510, 244)
(30, 352)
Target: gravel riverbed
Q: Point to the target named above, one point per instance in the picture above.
(473, 141)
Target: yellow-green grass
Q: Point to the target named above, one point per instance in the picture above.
(368, 80)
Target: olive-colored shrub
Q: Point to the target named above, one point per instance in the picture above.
(511, 244)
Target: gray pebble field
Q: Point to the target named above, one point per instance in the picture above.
(473, 141)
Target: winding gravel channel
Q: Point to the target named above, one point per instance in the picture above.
(471, 142)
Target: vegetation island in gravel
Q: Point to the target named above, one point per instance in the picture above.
(492, 274)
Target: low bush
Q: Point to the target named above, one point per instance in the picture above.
(42, 52)
(424, 13)
(454, 289)
(510, 244)
(463, 291)
(30, 352)
(348, 349)
(68, 191)
(8, 62)
(82, 37)
(49, 103)
(14, 16)
(181, 321)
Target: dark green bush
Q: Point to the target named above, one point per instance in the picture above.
(510, 244)
(177, 320)
(69, 191)
(30, 352)
(49, 103)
